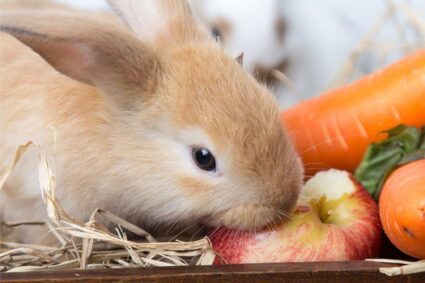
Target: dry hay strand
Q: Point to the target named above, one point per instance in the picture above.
(407, 267)
(408, 29)
(286, 82)
(90, 244)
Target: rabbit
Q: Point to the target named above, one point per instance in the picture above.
(255, 28)
(153, 122)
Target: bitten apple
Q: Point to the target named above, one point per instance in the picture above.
(336, 219)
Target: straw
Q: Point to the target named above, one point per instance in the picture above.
(407, 267)
(79, 241)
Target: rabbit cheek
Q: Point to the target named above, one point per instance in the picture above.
(194, 187)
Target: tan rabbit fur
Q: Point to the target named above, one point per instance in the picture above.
(119, 116)
(31, 4)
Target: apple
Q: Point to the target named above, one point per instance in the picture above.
(336, 219)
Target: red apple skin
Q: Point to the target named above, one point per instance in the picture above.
(352, 232)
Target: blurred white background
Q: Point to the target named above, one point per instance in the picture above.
(326, 43)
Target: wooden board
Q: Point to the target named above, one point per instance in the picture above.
(355, 271)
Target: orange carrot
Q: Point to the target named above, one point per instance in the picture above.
(402, 208)
(334, 129)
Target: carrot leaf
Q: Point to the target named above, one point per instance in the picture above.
(403, 145)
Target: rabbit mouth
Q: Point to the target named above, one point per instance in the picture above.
(249, 217)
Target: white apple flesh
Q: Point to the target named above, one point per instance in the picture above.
(336, 219)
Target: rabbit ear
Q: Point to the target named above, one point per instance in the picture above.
(95, 54)
(239, 59)
(160, 22)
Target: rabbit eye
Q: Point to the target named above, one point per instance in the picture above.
(203, 158)
(216, 33)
